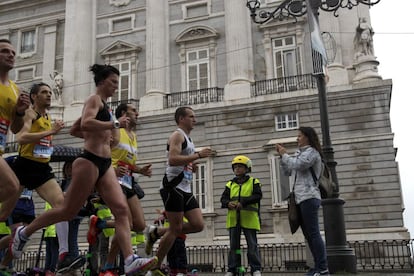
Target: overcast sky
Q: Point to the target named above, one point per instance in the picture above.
(393, 24)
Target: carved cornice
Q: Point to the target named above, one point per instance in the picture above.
(196, 33)
(118, 3)
(119, 46)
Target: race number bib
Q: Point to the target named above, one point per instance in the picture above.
(126, 181)
(44, 148)
(4, 126)
(188, 172)
(27, 194)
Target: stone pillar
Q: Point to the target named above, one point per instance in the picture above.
(239, 50)
(49, 52)
(49, 57)
(79, 54)
(336, 70)
(157, 57)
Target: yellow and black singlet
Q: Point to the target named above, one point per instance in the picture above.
(8, 100)
(43, 149)
(125, 154)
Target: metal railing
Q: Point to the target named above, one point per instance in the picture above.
(11, 147)
(282, 85)
(200, 96)
(114, 104)
(394, 255)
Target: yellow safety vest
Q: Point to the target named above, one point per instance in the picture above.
(104, 213)
(4, 229)
(50, 231)
(249, 215)
(137, 238)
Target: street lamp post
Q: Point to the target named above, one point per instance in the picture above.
(340, 256)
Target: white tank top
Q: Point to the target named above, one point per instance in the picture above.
(173, 171)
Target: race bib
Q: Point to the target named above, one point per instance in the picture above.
(44, 148)
(188, 172)
(4, 126)
(126, 181)
(27, 194)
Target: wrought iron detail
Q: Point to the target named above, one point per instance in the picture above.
(334, 5)
(296, 8)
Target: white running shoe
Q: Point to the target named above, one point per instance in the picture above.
(17, 244)
(140, 265)
(257, 273)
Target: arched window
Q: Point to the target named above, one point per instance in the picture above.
(198, 57)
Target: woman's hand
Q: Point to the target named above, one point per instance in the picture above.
(280, 149)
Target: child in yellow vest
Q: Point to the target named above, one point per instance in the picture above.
(241, 197)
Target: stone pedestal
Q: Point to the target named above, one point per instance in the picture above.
(337, 74)
(151, 101)
(366, 69)
(239, 90)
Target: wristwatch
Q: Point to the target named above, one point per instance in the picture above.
(117, 124)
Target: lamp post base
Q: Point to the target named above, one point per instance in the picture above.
(341, 258)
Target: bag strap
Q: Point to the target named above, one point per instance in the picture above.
(313, 176)
(294, 181)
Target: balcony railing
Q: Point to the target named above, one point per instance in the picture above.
(395, 255)
(11, 147)
(200, 96)
(282, 85)
(114, 104)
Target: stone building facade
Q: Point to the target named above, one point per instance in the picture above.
(250, 86)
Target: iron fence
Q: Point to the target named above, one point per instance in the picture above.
(200, 96)
(386, 255)
(114, 104)
(281, 85)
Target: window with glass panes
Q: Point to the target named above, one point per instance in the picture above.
(27, 42)
(281, 184)
(124, 86)
(198, 71)
(286, 121)
(286, 57)
(200, 184)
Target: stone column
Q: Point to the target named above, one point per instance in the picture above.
(79, 54)
(49, 57)
(49, 51)
(239, 50)
(157, 58)
(336, 70)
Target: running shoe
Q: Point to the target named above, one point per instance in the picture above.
(17, 243)
(139, 266)
(150, 238)
(70, 263)
(93, 231)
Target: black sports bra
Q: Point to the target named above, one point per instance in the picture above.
(104, 114)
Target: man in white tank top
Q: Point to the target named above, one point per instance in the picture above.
(176, 187)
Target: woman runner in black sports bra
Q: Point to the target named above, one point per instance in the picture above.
(92, 170)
